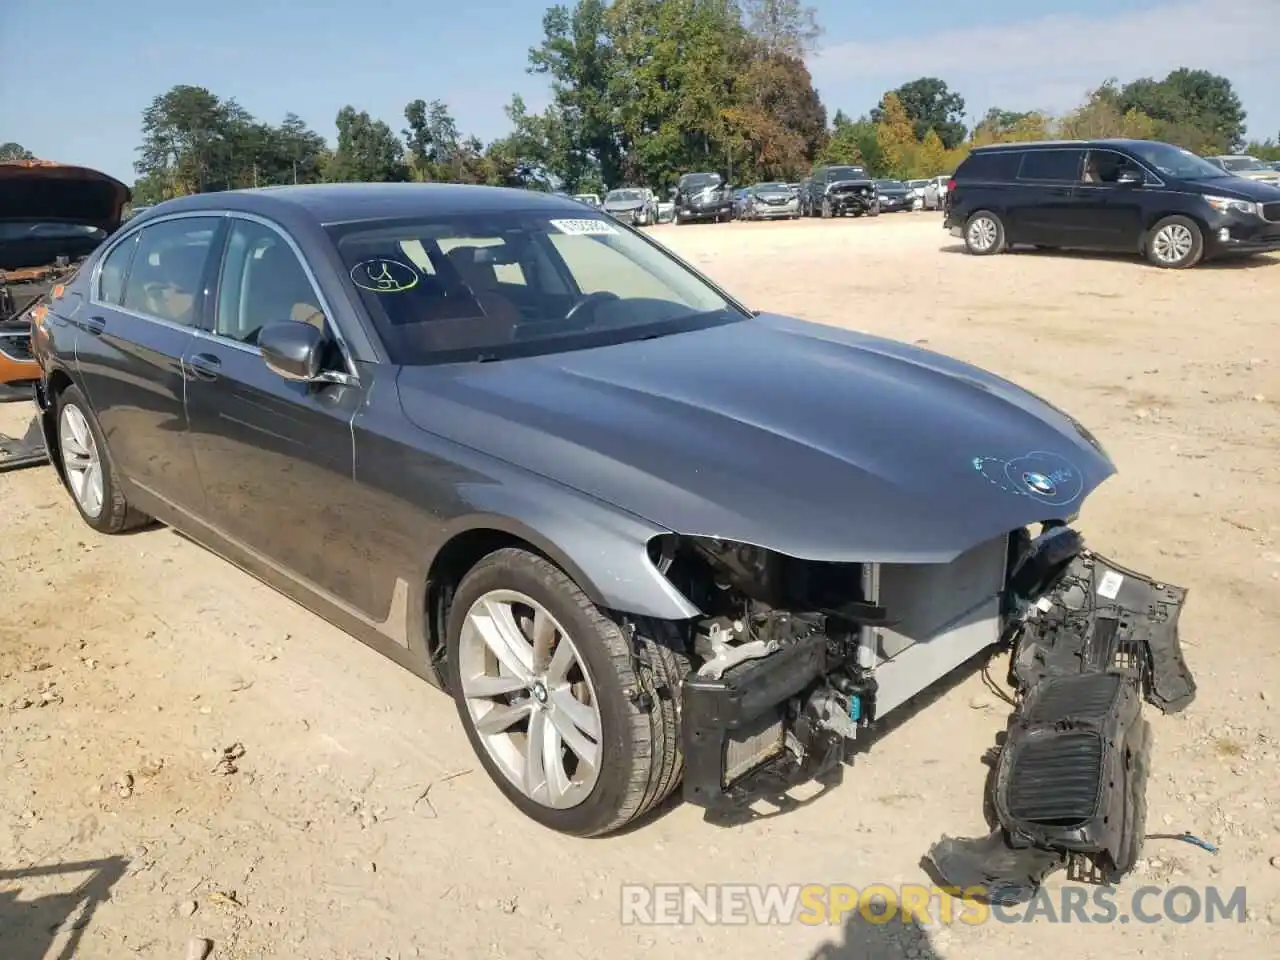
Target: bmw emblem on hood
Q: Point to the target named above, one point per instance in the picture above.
(1041, 475)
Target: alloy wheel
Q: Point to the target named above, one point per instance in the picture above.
(530, 698)
(982, 234)
(1172, 243)
(81, 460)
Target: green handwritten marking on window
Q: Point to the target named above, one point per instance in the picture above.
(380, 275)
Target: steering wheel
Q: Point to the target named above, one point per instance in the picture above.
(589, 302)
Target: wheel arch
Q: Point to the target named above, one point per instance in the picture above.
(611, 566)
(49, 390)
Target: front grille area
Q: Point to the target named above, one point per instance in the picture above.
(1089, 697)
(1054, 780)
(1271, 211)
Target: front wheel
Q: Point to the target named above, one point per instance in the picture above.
(572, 713)
(984, 234)
(1175, 243)
(87, 470)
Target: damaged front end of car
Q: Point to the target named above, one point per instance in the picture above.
(794, 659)
(856, 197)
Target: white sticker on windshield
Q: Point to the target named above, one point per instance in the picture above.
(1109, 586)
(585, 228)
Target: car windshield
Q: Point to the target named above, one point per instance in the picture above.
(1176, 162)
(917, 183)
(623, 195)
(697, 181)
(846, 173)
(1243, 164)
(770, 187)
(26, 230)
(518, 283)
(890, 185)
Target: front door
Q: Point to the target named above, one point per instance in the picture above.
(1108, 214)
(143, 309)
(276, 456)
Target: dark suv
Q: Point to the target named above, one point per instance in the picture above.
(1137, 195)
(703, 196)
(835, 191)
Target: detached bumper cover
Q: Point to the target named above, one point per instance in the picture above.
(1070, 781)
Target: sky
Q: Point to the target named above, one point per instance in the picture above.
(77, 95)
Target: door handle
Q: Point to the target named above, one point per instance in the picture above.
(204, 366)
(95, 325)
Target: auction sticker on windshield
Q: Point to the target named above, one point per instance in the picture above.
(584, 228)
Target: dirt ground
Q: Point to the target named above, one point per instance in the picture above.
(134, 671)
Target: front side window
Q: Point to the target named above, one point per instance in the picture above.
(168, 266)
(262, 283)
(1051, 165)
(1176, 162)
(1106, 166)
(492, 286)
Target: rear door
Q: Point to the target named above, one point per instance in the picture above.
(145, 301)
(1045, 211)
(276, 456)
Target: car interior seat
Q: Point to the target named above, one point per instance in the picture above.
(277, 290)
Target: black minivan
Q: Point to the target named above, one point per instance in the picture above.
(1139, 195)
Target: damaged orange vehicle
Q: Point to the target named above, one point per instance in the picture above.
(52, 216)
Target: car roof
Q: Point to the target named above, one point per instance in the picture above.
(332, 203)
(1051, 144)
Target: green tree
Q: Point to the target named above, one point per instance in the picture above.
(433, 141)
(854, 142)
(367, 150)
(930, 105)
(14, 151)
(1187, 102)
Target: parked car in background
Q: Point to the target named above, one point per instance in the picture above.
(741, 197)
(935, 192)
(1126, 195)
(1245, 166)
(894, 196)
(836, 191)
(918, 189)
(637, 206)
(646, 538)
(772, 201)
(589, 199)
(666, 211)
(703, 196)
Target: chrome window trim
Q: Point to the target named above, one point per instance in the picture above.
(134, 233)
(343, 347)
(351, 377)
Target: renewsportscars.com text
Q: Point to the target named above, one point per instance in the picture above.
(678, 904)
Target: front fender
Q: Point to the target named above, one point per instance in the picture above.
(604, 550)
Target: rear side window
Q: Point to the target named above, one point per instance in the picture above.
(997, 165)
(1051, 165)
(114, 269)
(164, 281)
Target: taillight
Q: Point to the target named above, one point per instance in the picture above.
(951, 185)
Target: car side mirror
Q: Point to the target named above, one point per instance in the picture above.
(1130, 178)
(293, 350)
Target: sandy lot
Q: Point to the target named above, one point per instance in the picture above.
(356, 823)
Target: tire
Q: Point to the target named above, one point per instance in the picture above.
(634, 681)
(80, 441)
(984, 234)
(1175, 243)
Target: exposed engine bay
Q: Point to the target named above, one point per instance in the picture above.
(794, 659)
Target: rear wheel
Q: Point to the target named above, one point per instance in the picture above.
(984, 234)
(571, 713)
(1175, 243)
(87, 470)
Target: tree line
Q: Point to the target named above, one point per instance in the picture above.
(644, 90)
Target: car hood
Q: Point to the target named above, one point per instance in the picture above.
(39, 190)
(818, 442)
(1243, 188)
